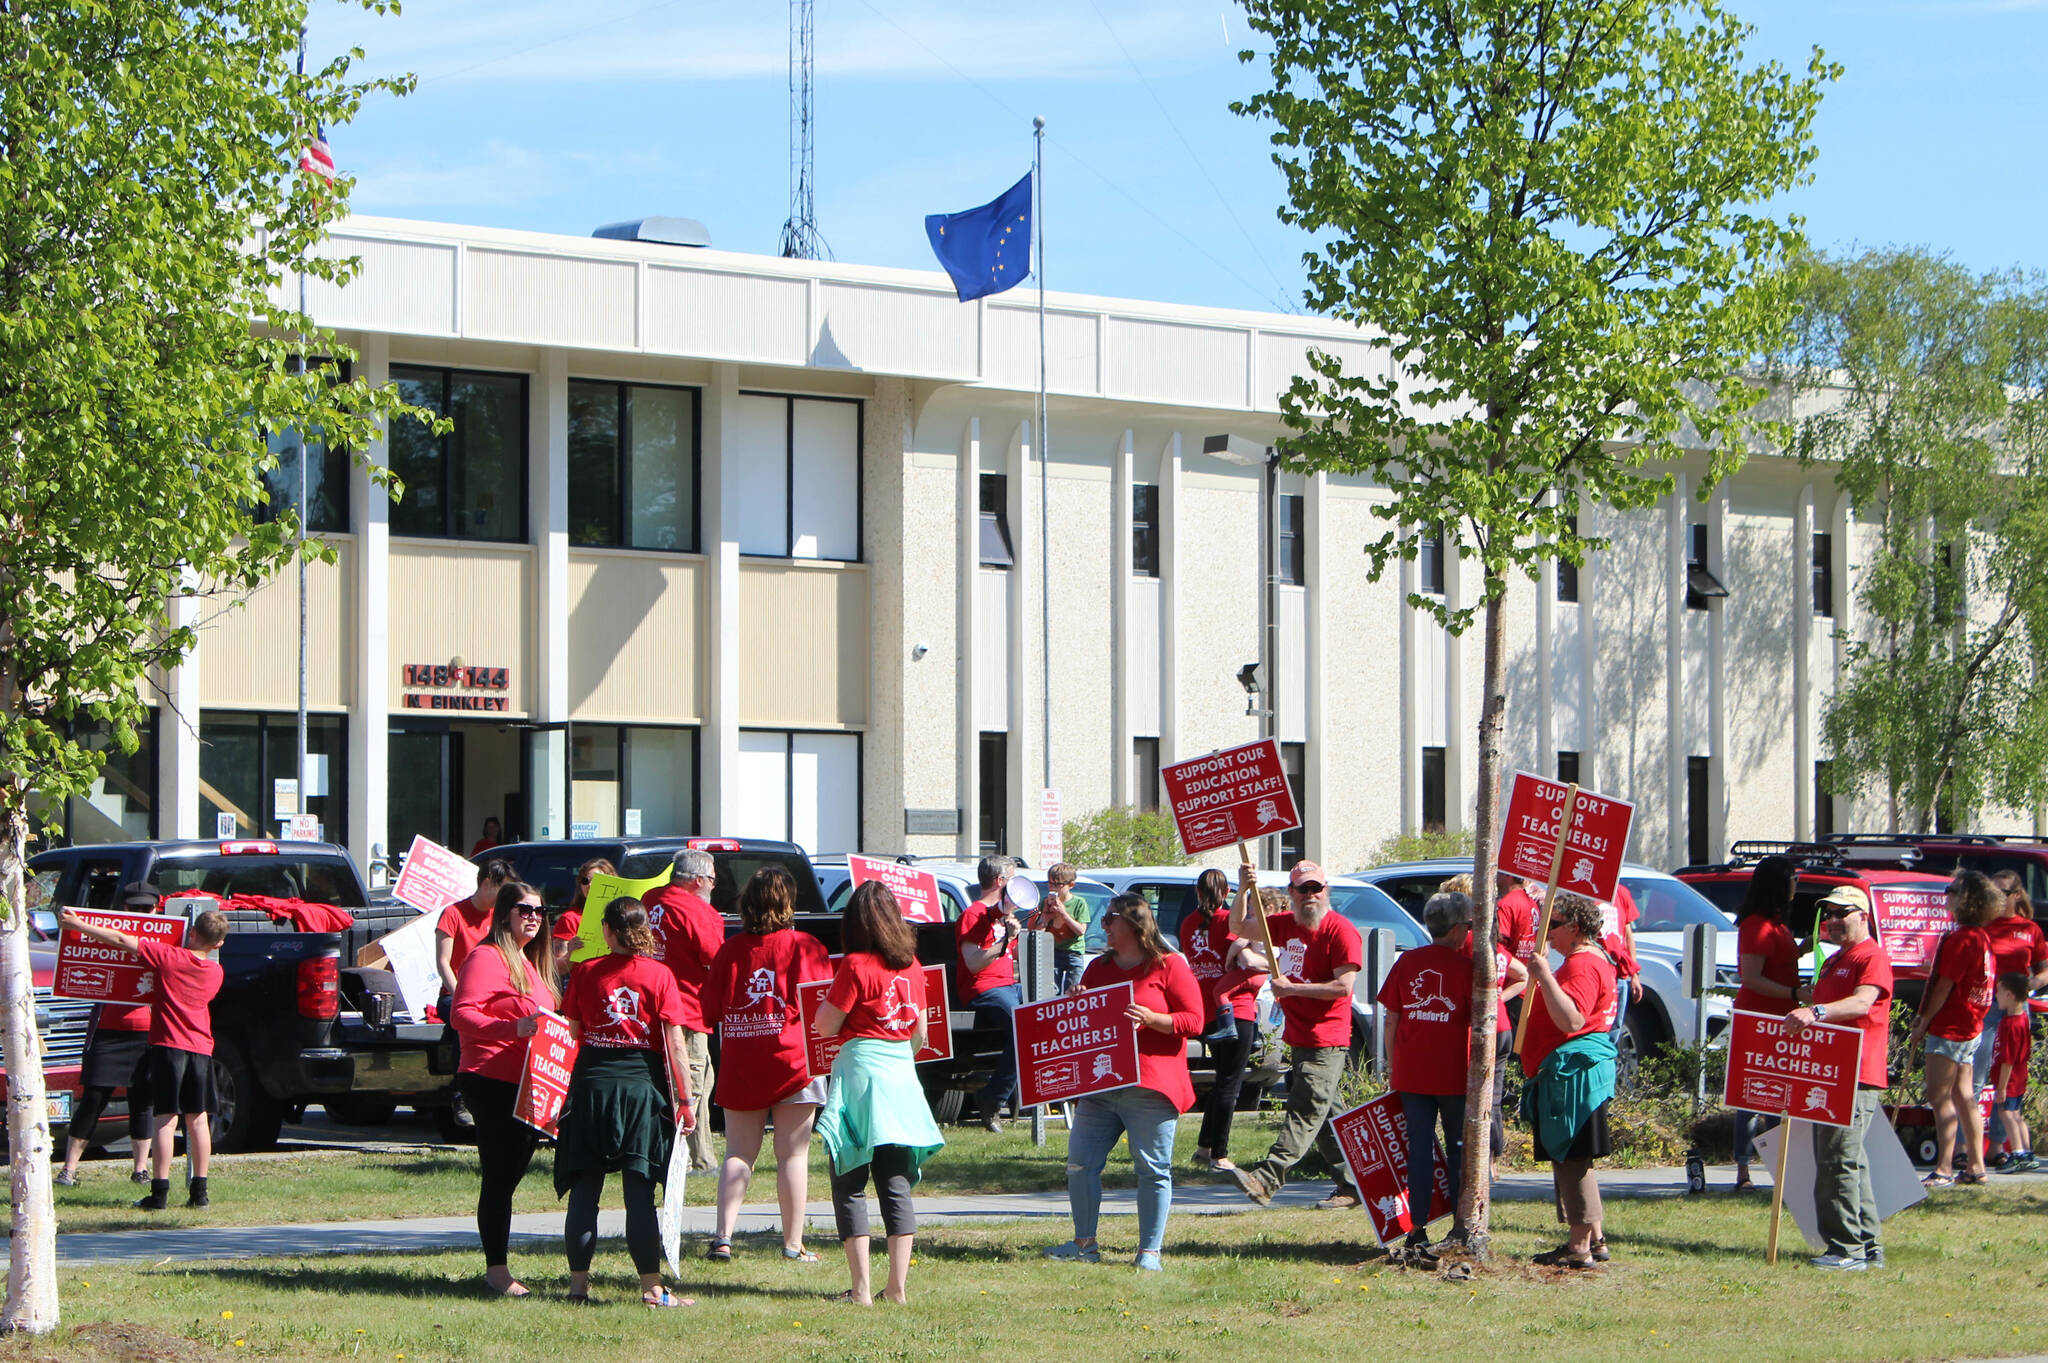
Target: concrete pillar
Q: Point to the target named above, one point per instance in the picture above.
(369, 747)
(1169, 602)
(1717, 687)
(1121, 481)
(719, 744)
(1316, 748)
(968, 731)
(1674, 673)
(177, 771)
(548, 776)
(1802, 666)
(1026, 718)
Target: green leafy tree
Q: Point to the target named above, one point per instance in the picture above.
(1122, 835)
(151, 213)
(1926, 384)
(1548, 215)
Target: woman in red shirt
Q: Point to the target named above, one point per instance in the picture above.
(1569, 1061)
(500, 993)
(1952, 1010)
(1167, 1006)
(1767, 961)
(749, 997)
(622, 1115)
(1230, 1003)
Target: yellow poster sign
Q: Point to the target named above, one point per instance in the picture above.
(603, 890)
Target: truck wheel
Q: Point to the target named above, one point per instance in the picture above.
(947, 1105)
(360, 1109)
(244, 1116)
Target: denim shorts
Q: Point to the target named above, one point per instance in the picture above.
(1955, 1052)
(2016, 1103)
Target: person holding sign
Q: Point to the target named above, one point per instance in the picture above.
(627, 1019)
(876, 1123)
(1952, 1012)
(1854, 986)
(1230, 998)
(1569, 1060)
(1319, 955)
(688, 932)
(1767, 958)
(1426, 1007)
(569, 927)
(503, 987)
(750, 997)
(1166, 1004)
(460, 927)
(118, 1057)
(988, 979)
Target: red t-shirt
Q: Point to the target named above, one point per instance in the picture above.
(1206, 945)
(486, 1014)
(2015, 1044)
(1845, 972)
(1761, 935)
(1515, 922)
(569, 926)
(1165, 986)
(687, 933)
(1501, 957)
(1616, 914)
(1964, 956)
(121, 1017)
(1315, 957)
(185, 986)
(1430, 990)
(1587, 979)
(622, 1001)
(750, 999)
(984, 926)
(879, 1003)
(2016, 945)
(464, 925)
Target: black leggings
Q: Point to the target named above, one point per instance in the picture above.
(1230, 1058)
(643, 1231)
(890, 1167)
(93, 1101)
(504, 1149)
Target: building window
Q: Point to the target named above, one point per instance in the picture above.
(632, 466)
(800, 787)
(326, 478)
(1568, 767)
(1144, 529)
(1823, 574)
(1293, 560)
(1567, 571)
(469, 484)
(1698, 828)
(243, 756)
(994, 822)
(1433, 790)
(1823, 799)
(995, 522)
(1701, 585)
(120, 807)
(798, 463)
(1429, 563)
(1294, 762)
(1145, 761)
(629, 781)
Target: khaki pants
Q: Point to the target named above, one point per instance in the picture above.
(702, 1076)
(1844, 1202)
(1311, 1101)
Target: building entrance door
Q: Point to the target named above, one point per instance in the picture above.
(425, 787)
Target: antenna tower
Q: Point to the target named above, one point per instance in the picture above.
(800, 237)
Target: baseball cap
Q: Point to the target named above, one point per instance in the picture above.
(1848, 896)
(1306, 872)
(140, 892)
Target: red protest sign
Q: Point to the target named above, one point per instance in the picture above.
(544, 1084)
(434, 877)
(1810, 1075)
(1911, 920)
(1374, 1139)
(1599, 836)
(1075, 1046)
(821, 1051)
(917, 892)
(104, 974)
(1232, 795)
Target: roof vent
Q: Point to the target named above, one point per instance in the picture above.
(667, 231)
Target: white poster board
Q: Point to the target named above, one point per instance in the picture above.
(434, 877)
(1892, 1175)
(409, 955)
(670, 1217)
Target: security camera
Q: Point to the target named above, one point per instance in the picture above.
(917, 653)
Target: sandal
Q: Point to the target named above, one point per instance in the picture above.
(1967, 1180)
(1938, 1181)
(1578, 1262)
(578, 1299)
(662, 1297)
(1599, 1250)
(1551, 1258)
(801, 1256)
(1742, 1184)
(719, 1251)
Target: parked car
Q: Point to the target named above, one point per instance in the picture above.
(1942, 854)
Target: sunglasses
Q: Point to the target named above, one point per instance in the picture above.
(1837, 915)
(533, 910)
(1114, 916)
(1309, 887)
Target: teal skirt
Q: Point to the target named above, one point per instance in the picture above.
(875, 1099)
(618, 1116)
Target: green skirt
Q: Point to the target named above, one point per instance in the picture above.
(618, 1116)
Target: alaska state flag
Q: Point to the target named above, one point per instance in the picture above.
(986, 249)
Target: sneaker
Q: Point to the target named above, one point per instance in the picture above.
(1873, 1256)
(1255, 1187)
(1838, 1263)
(458, 1112)
(139, 1177)
(1148, 1261)
(65, 1179)
(198, 1198)
(152, 1203)
(1074, 1252)
(2022, 1163)
(992, 1125)
(1339, 1201)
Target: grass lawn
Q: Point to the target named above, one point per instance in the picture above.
(1688, 1282)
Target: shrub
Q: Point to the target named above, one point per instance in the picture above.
(1123, 835)
(1427, 845)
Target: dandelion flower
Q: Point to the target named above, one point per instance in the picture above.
(240, 1343)
(227, 1315)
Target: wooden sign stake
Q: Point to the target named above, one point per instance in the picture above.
(1244, 856)
(1532, 999)
(1778, 1183)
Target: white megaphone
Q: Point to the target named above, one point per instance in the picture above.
(1023, 894)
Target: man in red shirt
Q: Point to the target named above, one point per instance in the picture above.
(1320, 955)
(462, 925)
(689, 933)
(1855, 986)
(988, 978)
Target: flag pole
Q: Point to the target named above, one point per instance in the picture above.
(305, 518)
(1044, 518)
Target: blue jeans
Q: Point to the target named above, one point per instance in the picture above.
(1621, 992)
(994, 1008)
(1099, 1122)
(1421, 1111)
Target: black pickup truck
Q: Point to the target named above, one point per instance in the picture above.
(291, 1024)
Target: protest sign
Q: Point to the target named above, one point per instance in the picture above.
(670, 1217)
(1075, 1046)
(821, 1051)
(1374, 1140)
(917, 892)
(1591, 864)
(1911, 920)
(410, 956)
(434, 877)
(544, 1085)
(88, 970)
(603, 890)
(1809, 1074)
(1232, 795)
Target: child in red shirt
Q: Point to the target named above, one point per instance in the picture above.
(2013, 1052)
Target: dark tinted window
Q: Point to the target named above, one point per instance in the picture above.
(1145, 530)
(313, 879)
(99, 882)
(1412, 892)
(1368, 908)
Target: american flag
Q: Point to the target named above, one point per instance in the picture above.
(316, 159)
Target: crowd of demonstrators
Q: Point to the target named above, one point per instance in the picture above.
(1767, 966)
(116, 1057)
(504, 986)
(2011, 1054)
(1426, 1017)
(876, 1124)
(1319, 955)
(180, 1042)
(1230, 1004)
(2018, 947)
(1854, 986)
(1568, 1060)
(688, 933)
(626, 1015)
(1166, 1005)
(569, 926)
(456, 933)
(987, 934)
(1065, 915)
(1952, 1013)
(750, 999)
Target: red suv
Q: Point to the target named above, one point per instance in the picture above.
(1909, 907)
(1943, 853)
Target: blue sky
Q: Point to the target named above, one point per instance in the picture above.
(557, 117)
